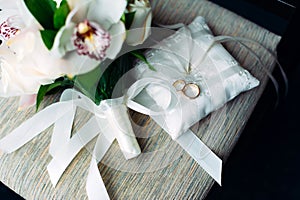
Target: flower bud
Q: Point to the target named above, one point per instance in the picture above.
(141, 24)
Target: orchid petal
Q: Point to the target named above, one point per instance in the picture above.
(76, 3)
(27, 101)
(76, 64)
(7, 4)
(98, 12)
(118, 34)
(63, 43)
(78, 12)
(5, 13)
(27, 39)
(28, 18)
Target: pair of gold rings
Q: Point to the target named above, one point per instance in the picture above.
(190, 90)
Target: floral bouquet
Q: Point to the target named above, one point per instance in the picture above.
(46, 44)
(86, 50)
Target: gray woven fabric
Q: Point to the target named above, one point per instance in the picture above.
(25, 170)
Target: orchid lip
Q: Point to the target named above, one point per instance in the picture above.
(7, 31)
(91, 39)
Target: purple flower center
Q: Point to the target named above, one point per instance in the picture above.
(91, 39)
(7, 31)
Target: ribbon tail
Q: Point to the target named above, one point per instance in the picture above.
(34, 126)
(209, 161)
(95, 186)
(66, 154)
(61, 131)
(63, 127)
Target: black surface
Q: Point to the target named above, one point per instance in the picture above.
(273, 15)
(6, 193)
(265, 163)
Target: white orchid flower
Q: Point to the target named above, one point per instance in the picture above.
(93, 29)
(13, 17)
(25, 62)
(141, 25)
(16, 13)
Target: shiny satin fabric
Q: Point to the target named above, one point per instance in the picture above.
(191, 55)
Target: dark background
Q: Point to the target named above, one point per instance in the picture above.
(265, 163)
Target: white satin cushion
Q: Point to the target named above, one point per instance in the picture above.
(218, 75)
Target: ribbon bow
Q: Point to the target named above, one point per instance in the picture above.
(110, 121)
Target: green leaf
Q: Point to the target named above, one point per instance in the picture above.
(60, 83)
(61, 14)
(123, 18)
(48, 37)
(112, 75)
(129, 19)
(141, 57)
(43, 11)
(87, 83)
(40, 95)
(43, 90)
(99, 84)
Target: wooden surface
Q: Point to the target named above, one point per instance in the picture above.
(173, 174)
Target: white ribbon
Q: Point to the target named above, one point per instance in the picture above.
(178, 57)
(158, 87)
(64, 149)
(110, 121)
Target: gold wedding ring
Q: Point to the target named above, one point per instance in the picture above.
(190, 90)
(179, 85)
